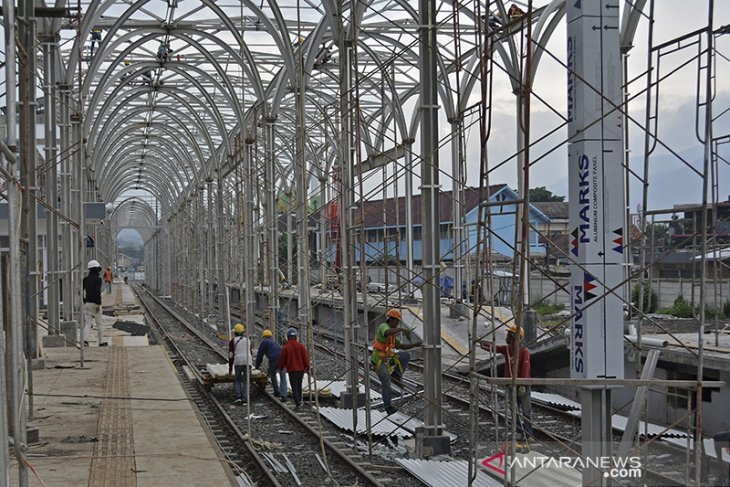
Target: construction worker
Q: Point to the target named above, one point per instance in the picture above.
(272, 350)
(239, 359)
(524, 425)
(295, 359)
(385, 361)
(92, 302)
(108, 278)
(95, 38)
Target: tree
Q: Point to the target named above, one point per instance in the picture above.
(541, 193)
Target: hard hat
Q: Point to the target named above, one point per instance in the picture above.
(513, 329)
(394, 313)
(93, 264)
(267, 333)
(238, 328)
(292, 332)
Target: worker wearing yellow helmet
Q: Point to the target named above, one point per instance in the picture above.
(524, 426)
(239, 360)
(272, 351)
(384, 360)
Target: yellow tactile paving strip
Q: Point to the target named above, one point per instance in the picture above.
(113, 461)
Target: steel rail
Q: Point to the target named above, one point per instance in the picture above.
(209, 398)
(342, 455)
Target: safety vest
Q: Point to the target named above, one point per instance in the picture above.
(384, 352)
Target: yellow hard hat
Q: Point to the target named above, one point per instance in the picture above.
(394, 313)
(238, 328)
(513, 329)
(267, 333)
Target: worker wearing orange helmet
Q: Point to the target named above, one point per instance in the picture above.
(523, 372)
(386, 362)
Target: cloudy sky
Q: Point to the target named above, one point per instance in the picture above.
(671, 181)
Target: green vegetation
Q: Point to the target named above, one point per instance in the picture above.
(541, 193)
(542, 308)
(683, 309)
(649, 303)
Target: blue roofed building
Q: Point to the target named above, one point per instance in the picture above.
(384, 225)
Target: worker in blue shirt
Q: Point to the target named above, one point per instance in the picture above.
(272, 350)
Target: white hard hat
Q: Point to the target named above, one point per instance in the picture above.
(93, 264)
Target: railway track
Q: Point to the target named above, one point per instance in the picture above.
(282, 446)
(553, 427)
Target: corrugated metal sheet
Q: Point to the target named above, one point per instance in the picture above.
(380, 425)
(617, 421)
(709, 444)
(532, 474)
(555, 400)
(446, 474)
(337, 387)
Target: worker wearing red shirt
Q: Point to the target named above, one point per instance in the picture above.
(523, 372)
(295, 359)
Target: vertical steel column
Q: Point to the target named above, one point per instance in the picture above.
(248, 235)
(707, 160)
(346, 202)
(457, 195)
(410, 273)
(27, 91)
(50, 51)
(222, 320)
(16, 389)
(272, 222)
(4, 413)
(301, 184)
(66, 266)
(432, 442)
(77, 201)
(209, 246)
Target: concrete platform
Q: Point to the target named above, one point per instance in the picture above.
(122, 420)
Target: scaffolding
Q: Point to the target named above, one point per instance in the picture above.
(285, 153)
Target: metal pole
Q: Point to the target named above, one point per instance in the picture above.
(50, 50)
(248, 233)
(698, 444)
(65, 269)
(433, 441)
(272, 221)
(409, 215)
(346, 202)
(222, 320)
(27, 88)
(17, 365)
(4, 413)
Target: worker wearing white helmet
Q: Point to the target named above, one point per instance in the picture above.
(92, 302)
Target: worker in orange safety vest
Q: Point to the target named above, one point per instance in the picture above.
(384, 360)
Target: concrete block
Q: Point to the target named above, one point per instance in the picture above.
(55, 341)
(458, 310)
(32, 435)
(428, 446)
(347, 399)
(68, 328)
(38, 363)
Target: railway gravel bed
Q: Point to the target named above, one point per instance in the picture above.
(272, 430)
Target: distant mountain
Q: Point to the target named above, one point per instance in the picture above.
(129, 238)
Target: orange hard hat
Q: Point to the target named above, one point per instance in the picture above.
(513, 329)
(394, 313)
